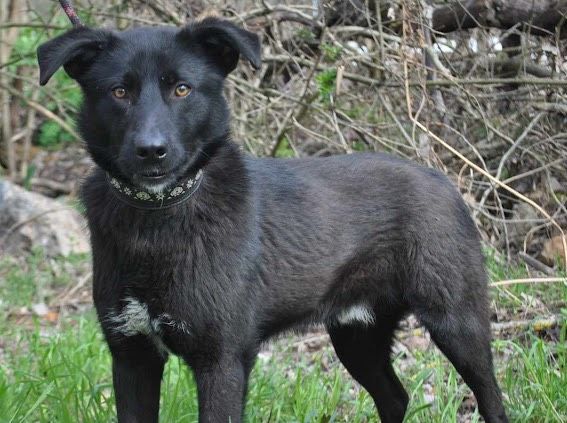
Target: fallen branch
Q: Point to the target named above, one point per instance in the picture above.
(538, 325)
(528, 281)
(536, 264)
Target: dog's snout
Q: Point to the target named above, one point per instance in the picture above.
(151, 150)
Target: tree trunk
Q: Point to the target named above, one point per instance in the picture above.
(541, 16)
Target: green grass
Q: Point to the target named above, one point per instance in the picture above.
(64, 376)
(34, 280)
(62, 373)
(522, 296)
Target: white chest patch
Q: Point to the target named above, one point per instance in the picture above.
(134, 319)
(356, 314)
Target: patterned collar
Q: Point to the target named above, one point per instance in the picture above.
(145, 200)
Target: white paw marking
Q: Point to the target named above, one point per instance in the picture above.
(356, 314)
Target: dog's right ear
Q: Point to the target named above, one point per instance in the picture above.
(75, 51)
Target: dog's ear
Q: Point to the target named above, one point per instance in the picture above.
(223, 42)
(75, 51)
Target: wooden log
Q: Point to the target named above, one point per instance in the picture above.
(541, 17)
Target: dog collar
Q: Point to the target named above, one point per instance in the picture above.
(145, 200)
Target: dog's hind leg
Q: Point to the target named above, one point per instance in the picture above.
(464, 338)
(453, 305)
(365, 352)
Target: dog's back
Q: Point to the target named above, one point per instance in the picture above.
(382, 226)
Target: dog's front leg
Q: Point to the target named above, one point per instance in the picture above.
(221, 387)
(137, 368)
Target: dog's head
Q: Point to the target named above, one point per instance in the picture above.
(153, 97)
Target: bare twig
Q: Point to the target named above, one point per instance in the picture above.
(528, 281)
(42, 110)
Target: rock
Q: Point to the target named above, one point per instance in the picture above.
(524, 218)
(40, 309)
(31, 220)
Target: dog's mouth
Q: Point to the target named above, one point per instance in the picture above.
(155, 179)
(154, 175)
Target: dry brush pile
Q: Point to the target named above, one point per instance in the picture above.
(474, 87)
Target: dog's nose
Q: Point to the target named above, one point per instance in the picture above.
(151, 150)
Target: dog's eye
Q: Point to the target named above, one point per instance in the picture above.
(182, 90)
(119, 92)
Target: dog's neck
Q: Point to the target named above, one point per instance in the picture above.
(218, 173)
(147, 200)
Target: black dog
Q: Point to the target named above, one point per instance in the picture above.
(203, 252)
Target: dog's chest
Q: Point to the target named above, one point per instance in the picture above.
(135, 318)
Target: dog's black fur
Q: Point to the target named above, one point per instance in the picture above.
(263, 245)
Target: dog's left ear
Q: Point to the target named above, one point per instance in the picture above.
(223, 42)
